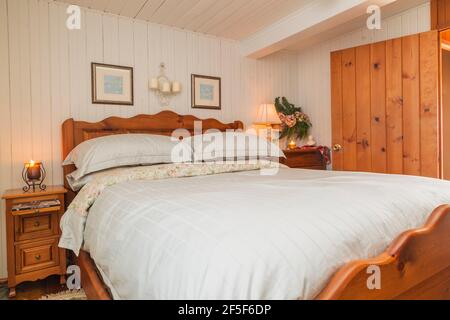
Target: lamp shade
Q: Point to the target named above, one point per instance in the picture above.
(267, 115)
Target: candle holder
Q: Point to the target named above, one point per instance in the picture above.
(163, 87)
(33, 175)
(292, 145)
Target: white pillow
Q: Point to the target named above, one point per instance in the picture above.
(232, 146)
(126, 150)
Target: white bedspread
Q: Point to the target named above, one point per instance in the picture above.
(246, 236)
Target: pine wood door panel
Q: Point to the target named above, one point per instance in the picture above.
(394, 106)
(378, 106)
(429, 102)
(411, 105)
(363, 115)
(349, 109)
(336, 108)
(440, 14)
(385, 107)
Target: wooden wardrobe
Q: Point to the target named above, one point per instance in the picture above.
(385, 107)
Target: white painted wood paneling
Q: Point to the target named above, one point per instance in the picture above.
(45, 78)
(5, 125)
(235, 19)
(314, 92)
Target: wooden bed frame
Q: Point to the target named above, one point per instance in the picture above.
(415, 266)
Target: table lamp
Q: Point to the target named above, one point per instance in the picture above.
(268, 117)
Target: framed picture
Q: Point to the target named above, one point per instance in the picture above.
(112, 84)
(206, 92)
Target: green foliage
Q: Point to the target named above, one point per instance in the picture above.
(283, 106)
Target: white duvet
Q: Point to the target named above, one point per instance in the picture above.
(246, 236)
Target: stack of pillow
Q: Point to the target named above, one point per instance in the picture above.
(116, 151)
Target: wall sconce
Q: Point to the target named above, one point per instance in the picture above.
(163, 87)
(34, 175)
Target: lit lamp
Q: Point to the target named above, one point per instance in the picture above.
(34, 175)
(268, 117)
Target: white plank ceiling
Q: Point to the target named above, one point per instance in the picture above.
(233, 19)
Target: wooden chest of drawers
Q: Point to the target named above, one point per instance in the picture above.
(304, 159)
(32, 235)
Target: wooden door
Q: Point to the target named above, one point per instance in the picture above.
(440, 14)
(385, 107)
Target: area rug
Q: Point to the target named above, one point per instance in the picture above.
(4, 292)
(66, 295)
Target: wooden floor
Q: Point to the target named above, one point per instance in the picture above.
(34, 290)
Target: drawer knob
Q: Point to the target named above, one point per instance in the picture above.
(37, 257)
(36, 211)
(37, 224)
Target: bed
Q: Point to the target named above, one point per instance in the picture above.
(255, 249)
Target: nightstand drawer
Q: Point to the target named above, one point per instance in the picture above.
(37, 256)
(304, 159)
(37, 226)
(36, 211)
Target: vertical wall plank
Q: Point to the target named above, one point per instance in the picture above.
(94, 53)
(180, 72)
(336, 108)
(126, 57)
(429, 112)
(79, 70)
(19, 85)
(378, 106)
(363, 114)
(45, 124)
(225, 66)
(411, 105)
(62, 111)
(167, 56)
(35, 69)
(434, 14)
(111, 55)
(55, 88)
(349, 109)
(141, 79)
(5, 124)
(394, 106)
(154, 60)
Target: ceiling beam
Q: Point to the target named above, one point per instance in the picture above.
(317, 17)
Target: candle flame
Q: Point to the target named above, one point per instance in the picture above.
(32, 163)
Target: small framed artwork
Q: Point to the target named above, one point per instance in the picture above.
(206, 92)
(112, 84)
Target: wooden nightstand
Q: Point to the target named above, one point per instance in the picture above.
(32, 235)
(304, 159)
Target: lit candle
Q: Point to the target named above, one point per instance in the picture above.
(292, 145)
(33, 170)
(166, 87)
(154, 84)
(176, 87)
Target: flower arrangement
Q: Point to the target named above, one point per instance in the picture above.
(294, 123)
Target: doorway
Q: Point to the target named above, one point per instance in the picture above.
(385, 107)
(445, 89)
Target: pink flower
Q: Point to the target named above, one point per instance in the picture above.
(291, 121)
